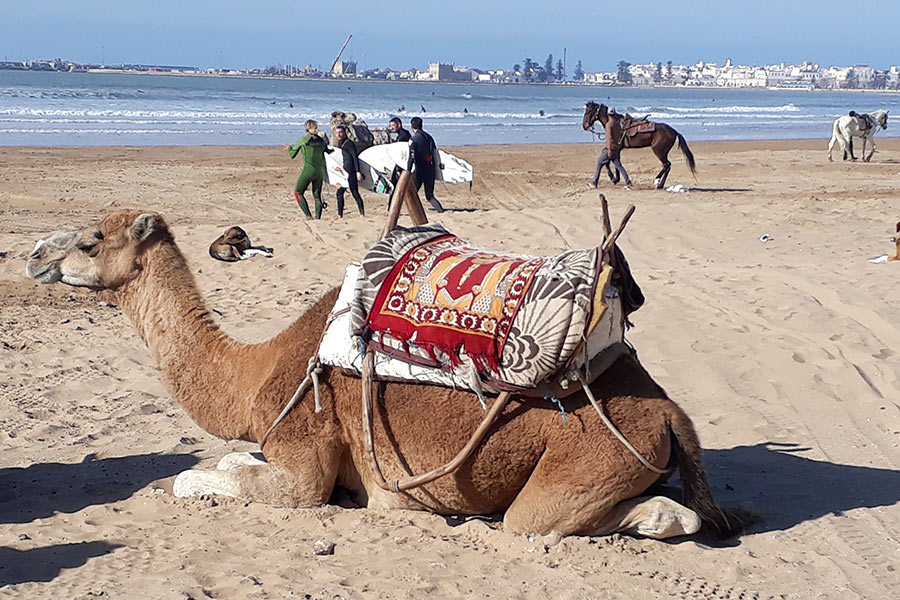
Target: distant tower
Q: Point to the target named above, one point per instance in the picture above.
(728, 62)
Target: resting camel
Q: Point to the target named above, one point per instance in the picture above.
(549, 476)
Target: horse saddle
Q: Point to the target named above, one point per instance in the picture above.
(864, 121)
(633, 126)
(438, 309)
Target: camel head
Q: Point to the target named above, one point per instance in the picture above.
(103, 257)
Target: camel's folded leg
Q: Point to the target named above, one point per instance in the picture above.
(240, 459)
(655, 517)
(249, 479)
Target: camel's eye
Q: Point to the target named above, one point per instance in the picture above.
(89, 247)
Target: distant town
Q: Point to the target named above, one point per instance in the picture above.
(806, 75)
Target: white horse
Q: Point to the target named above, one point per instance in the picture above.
(857, 125)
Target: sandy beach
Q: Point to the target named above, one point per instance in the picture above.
(784, 353)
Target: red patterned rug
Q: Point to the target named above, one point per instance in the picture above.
(449, 295)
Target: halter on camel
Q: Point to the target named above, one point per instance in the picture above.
(572, 380)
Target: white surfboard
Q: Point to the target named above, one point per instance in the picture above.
(374, 179)
(385, 157)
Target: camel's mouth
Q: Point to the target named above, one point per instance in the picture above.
(43, 273)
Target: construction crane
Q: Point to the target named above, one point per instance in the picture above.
(338, 57)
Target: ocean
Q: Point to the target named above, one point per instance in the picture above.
(102, 109)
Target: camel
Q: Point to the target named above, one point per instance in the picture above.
(546, 475)
(234, 245)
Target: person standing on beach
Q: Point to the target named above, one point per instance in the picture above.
(351, 166)
(313, 147)
(396, 127)
(423, 153)
(603, 161)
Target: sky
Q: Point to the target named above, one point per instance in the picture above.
(475, 33)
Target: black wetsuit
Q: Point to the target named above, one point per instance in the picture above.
(423, 154)
(351, 166)
(402, 136)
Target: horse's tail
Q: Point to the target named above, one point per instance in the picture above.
(688, 155)
(697, 496)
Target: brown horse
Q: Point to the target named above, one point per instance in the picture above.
(660, 139)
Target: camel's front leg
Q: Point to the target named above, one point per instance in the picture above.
(244, 475)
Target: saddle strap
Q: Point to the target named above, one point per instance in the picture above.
(395, 485)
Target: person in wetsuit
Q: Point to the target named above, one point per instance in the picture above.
(423, 153)
(396, 127)
(351, 166)
(313, 147)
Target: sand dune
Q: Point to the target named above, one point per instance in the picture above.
(784, 353)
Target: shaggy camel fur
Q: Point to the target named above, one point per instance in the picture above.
(549, 476)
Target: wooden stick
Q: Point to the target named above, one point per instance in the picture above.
(611, 240)
(368, 371)
(396, 203)
(414, 203)
(607, 226)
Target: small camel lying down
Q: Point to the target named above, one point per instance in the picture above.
(884, 257)
(546, 475)
(234, 245)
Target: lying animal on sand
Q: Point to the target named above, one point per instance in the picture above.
(234, 245)
(547, 475)
(884, 257)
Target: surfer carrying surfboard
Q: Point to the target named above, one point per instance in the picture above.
(351, 166)
(422, 153)
(313, 148)
(396, 127)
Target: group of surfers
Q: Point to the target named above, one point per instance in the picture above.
(314, 145)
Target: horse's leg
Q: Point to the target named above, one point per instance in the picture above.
(871, 152)
(834, 140)
(850, 145)
(661, 148)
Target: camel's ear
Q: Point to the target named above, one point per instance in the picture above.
(144, 226)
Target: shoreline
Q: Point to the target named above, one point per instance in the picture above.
(345, 80)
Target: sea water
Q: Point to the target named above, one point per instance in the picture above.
(49, 108)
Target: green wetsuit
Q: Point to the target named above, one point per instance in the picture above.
(313, 149)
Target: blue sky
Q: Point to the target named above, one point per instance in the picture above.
(255, 33)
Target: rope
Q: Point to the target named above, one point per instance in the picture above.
(313, 370)
(612, 428)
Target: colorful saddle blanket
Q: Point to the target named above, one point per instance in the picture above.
(426, 298)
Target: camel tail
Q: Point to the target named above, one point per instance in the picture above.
(688, 155)
(720, 522)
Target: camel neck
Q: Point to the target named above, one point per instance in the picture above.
(196, 358)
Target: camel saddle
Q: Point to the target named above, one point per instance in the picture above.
(438, 309)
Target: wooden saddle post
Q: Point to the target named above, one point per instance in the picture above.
(405, 193)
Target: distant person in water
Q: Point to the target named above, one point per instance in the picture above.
(541, 112)
(423, 108)
(351, 166)
(313, 147)
(423, 154)
(402, 108)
